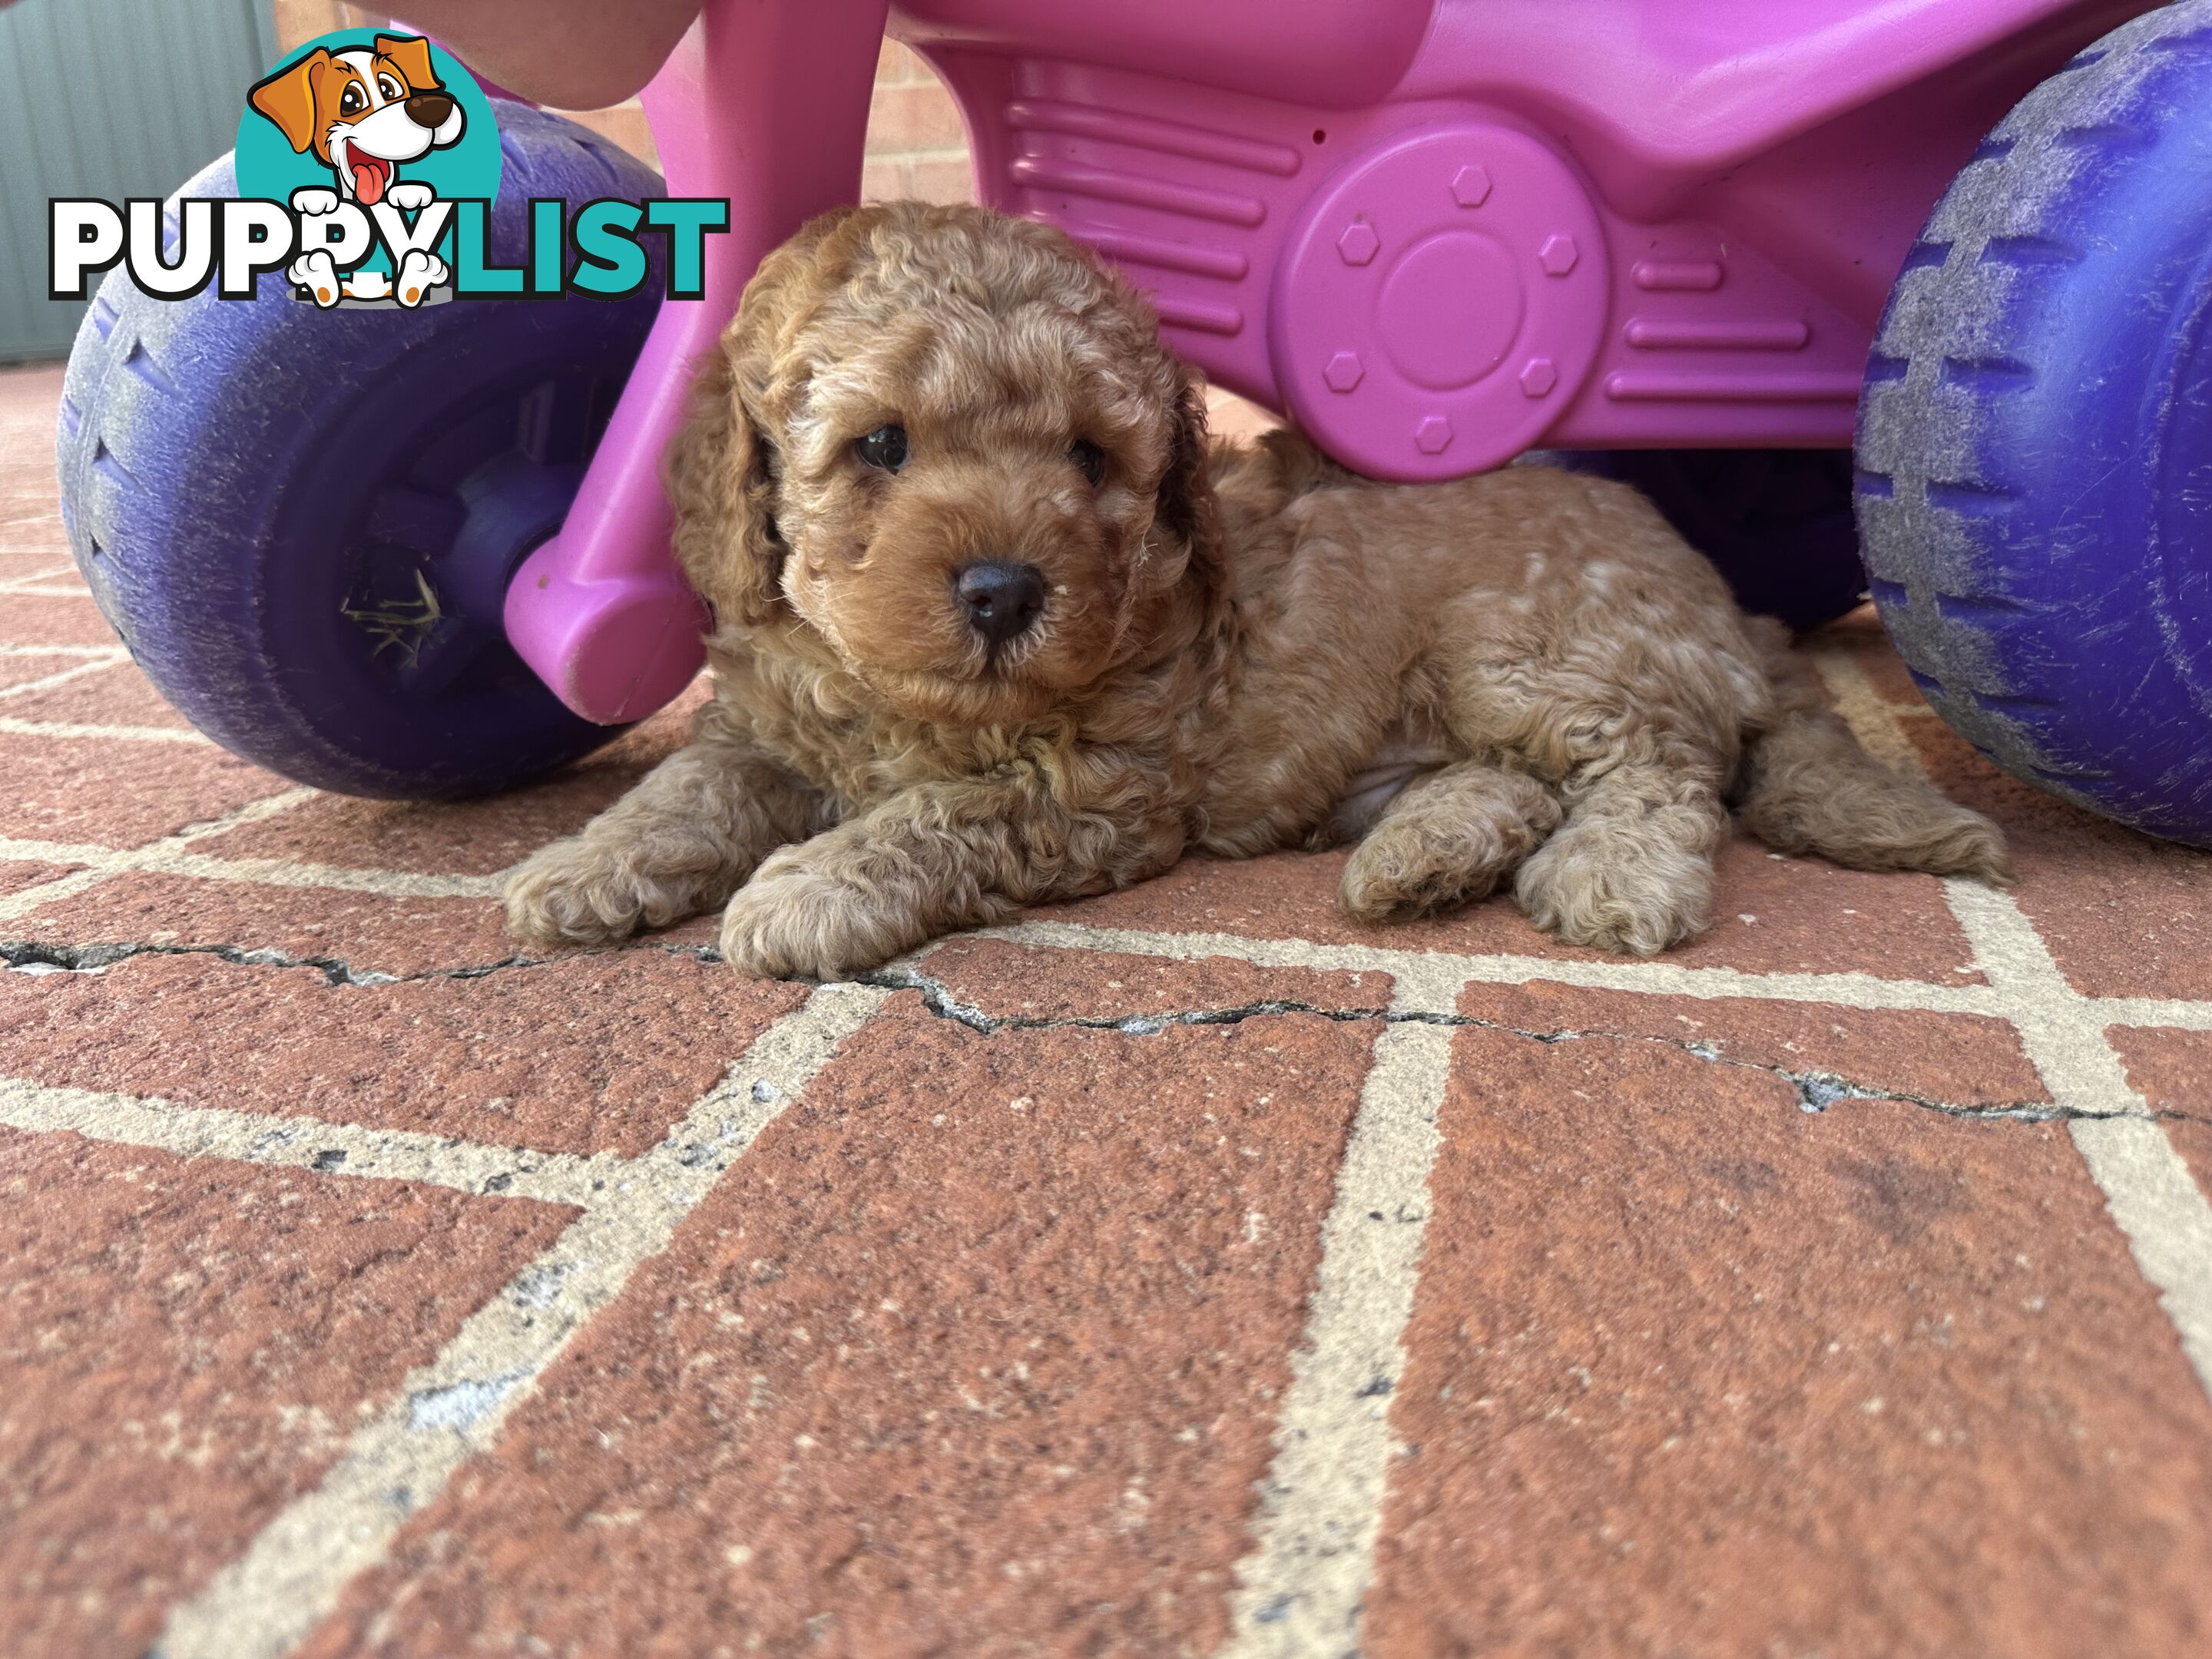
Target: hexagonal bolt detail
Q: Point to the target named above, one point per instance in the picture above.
(1558, 255)
(1359, 243)
(1470, 186)
(1344, 372)
(1432, 435)
(1537, 377)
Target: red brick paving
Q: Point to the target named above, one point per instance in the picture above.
(1956, 1059)
(2124, 915)
(38, 550)
(16, 874)
(593, 1053)
(473, 838)
(1770, 914)
(186, 1344)
(89, 792)
(55, 619)
(366, 932)
(1633, 1237)
(1694, 1370)
(22, 670)
(468, 838)
(980, 1341)
(2173, 1070)
(118, 695)
(1027, 983)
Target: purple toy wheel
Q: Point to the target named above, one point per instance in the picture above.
(2035, 440)
(302, 523)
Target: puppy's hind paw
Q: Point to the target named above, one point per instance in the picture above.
(1937, 835)
(1975, 849)
(573, 893)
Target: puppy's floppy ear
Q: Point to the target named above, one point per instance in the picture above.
(721, 481)
(1184, 508)
(724, 472)
(412, 53)
(287, 98)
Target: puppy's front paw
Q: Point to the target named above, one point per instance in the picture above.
(408, 196)
(1394, 878)
(1592, 888)
(1448, 841)
(574, 893)
(793, 921)
(314, 203)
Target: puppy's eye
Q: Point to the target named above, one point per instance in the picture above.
(350, 102)
(885, 447)
(1088, 456)
(391, 89)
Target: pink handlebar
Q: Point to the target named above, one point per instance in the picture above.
(765, 103)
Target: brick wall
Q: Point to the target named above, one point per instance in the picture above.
(301, 21)
(915, 146)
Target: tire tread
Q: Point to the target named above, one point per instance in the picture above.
(1955, 342)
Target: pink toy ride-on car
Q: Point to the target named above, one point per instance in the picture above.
(1709, 247)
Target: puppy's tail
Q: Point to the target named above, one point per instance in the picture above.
(1807, 787)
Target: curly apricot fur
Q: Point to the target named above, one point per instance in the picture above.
(1241, 648)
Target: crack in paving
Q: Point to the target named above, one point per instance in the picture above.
(40, 956)
(2151, 1191)
(46, 957)
(1816, 1090)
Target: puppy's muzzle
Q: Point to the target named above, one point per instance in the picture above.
(429, 110)
(1003, 599)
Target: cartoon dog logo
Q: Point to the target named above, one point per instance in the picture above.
(363, 113)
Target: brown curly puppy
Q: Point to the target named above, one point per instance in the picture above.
(994, 625)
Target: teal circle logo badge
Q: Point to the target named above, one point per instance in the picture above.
(371, 137)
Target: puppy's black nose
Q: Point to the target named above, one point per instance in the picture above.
(428, 109)
(1003, 598)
